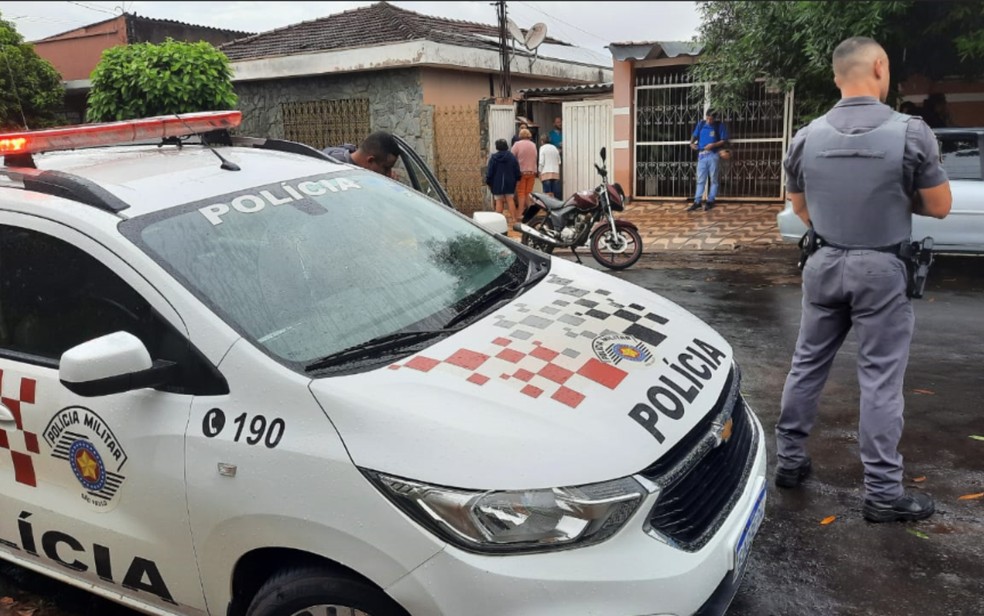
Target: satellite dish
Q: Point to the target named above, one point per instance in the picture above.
(536, 36)
(515, 31)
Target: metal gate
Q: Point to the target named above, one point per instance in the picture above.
(668, 108)
(459, 157)
(588, 126)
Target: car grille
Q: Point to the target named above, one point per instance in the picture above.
(701, 482)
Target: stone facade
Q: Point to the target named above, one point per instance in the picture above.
(395, 103)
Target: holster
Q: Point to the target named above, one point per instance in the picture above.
(808, 244)
(918, 258)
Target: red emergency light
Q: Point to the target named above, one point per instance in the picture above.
(115, 133)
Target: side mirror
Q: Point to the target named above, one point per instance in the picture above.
(112, 364)
(492, 221)
(604, 152)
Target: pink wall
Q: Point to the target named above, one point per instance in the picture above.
(624, 78)
(74, 54)
(443, 87)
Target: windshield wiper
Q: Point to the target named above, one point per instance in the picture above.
(377, 346)
(496, 295)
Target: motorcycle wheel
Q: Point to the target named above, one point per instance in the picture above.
(617, 252)
(539, 223)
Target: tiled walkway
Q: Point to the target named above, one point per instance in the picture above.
(729, 226)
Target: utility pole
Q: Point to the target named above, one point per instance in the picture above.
(505, 87)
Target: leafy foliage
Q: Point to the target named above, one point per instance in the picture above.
(790, 43)
(30, 87)
(144, 79)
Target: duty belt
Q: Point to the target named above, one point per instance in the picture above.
(917, 256)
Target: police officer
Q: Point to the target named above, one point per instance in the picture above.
(378, 152)
(857, 174)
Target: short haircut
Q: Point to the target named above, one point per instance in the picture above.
(711, 113)
(544, 139)
(525, 134)
(851, 52)
(501, 145)
(380, 144)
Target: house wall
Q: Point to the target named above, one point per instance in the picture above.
(443, 87)
(623, 94)
(396, 103)
(74, 54)
(965, 99)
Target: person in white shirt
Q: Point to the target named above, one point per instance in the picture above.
(549, 167)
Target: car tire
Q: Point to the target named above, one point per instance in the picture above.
(317, 591)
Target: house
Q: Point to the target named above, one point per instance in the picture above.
(433, 81)
(657, 106)
(75, 53)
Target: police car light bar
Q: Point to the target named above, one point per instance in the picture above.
(115, 133)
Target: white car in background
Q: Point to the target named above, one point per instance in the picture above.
(962, 231)
(242, 379)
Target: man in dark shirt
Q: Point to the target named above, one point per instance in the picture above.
(379, 152)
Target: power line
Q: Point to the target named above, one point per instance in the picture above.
(564, 22)
(92, 8)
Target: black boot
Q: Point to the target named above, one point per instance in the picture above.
(906, 508)
(793, 477)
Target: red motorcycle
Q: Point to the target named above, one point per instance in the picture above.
(550, 223)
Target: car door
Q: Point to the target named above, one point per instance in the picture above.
(93, 487)
(417, 174)
(963, 229)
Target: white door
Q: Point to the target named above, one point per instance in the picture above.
(93, 487)
(588, 126)
(502, 124)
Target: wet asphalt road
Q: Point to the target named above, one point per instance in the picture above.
(800, 567)
(851, 567)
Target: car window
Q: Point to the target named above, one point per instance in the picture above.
(54, 296)
(313, 266)
(411, 172)
(961, 156)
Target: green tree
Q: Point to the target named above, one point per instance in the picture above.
(144, 79)
(30, 88)
(790, 43)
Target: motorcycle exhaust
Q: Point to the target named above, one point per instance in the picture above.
(528, 230)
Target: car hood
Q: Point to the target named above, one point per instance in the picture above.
(583, 378)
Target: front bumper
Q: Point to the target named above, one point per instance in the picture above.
(631, 574)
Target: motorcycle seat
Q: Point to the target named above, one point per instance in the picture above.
(547, 200)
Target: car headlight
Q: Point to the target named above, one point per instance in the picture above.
(517, 520)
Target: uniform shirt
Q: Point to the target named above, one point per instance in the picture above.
(706, 133)
(341, 153)
(860, 114)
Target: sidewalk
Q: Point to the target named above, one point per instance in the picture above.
(728, 227)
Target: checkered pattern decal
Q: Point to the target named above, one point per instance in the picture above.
(520, 360)
(19, 442)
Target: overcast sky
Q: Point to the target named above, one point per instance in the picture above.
(586, 24)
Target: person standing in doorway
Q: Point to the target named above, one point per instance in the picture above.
(501, 178)
(549, 167)
(525, 152)
(856, 175)
(522, 126)
(709, 137)
(557, 134)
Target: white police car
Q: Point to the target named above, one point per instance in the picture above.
(241, 379)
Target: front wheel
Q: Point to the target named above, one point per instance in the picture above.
(313, 591)
(540, 223)
(617, 251)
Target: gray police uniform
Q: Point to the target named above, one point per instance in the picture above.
(858, 167)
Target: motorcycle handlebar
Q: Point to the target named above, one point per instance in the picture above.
(601, 170)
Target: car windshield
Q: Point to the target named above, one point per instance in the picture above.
(315, 266)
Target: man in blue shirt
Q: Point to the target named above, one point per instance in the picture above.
(708, 139)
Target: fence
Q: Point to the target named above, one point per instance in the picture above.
(325, 123)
